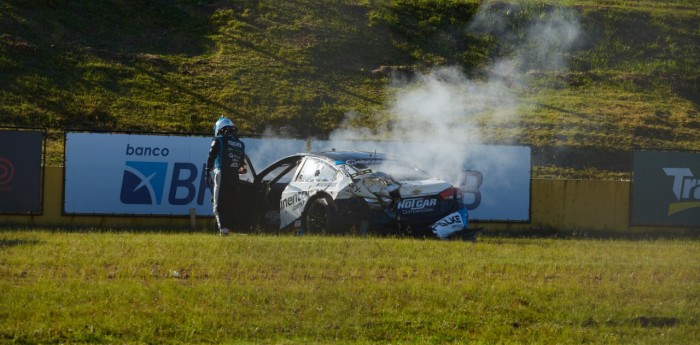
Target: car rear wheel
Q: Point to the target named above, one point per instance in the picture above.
(319, 216)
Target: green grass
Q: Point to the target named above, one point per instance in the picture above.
(298, 68)
(124, 287)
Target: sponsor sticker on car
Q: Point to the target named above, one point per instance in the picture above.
(450, 224)
(416, 205)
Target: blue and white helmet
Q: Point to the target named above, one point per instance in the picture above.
(221, 124)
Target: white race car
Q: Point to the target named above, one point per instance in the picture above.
(339, 192)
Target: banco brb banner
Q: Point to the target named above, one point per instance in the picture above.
(129, 174)
(666, 188)
(20, 171)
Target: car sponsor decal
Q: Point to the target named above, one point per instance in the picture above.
(363, 161)
(450, 224)
(295, 200)
(354, 188)
(360, 173)
(416, 205)
(325, 185)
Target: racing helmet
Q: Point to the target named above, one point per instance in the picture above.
(223, 125)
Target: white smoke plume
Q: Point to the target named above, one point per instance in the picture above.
(439, 118)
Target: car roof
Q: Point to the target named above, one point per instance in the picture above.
(348, 155)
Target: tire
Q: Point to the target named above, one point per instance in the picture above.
(319, 217)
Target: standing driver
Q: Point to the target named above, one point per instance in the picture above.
(226, 161)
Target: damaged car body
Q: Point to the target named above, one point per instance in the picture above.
(348, 192)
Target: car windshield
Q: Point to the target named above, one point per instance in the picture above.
(398, 170)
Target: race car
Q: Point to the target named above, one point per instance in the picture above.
(338, 192)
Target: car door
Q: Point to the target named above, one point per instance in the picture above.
(246, 189)
(268, 188)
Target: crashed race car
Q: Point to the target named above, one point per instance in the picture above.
(352, 192)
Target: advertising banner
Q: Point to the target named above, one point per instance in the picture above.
(137, 174)
(126, 174)
(666, 188)
(495, 179)
(20, 171)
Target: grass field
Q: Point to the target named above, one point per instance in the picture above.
(136, 287)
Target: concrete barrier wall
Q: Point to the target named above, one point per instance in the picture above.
(567, 205)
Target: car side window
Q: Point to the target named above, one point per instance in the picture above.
(285, 170)
(327, 173)
(315, 170)
(306, 174)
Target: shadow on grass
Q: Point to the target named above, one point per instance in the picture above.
(642, 321)
(78, 229)
(552, 233)
(484, 232)
(6, 243)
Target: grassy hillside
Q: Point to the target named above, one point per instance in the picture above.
(583, 82)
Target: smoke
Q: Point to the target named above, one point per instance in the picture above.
(540, 43)
(439, 118)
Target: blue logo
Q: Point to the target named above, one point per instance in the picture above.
(143, 182)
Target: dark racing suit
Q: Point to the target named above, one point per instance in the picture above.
(226, 157)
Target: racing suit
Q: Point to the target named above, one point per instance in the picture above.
(226, 158)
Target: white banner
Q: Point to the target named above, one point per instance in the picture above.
(135, 174)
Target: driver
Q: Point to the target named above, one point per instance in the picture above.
(226, 160)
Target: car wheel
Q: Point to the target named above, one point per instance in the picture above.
(319, 216)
